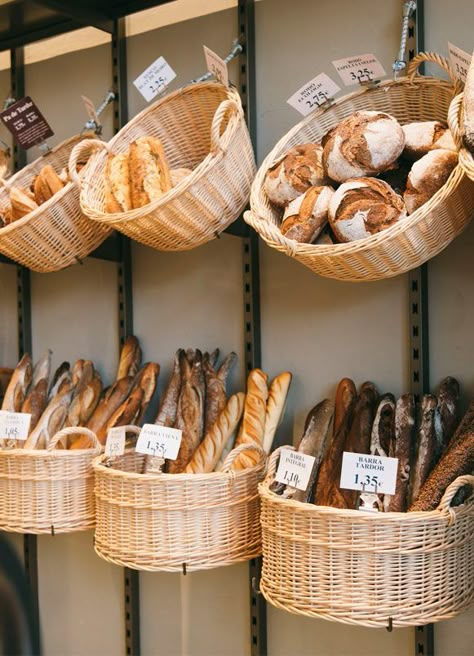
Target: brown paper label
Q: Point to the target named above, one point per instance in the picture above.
(26, 123)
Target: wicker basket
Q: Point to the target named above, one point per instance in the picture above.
(48, 490)
(56, 234)
(466, 158)
(202, 127)
(369, 569)
(408, 243)
(171, 522)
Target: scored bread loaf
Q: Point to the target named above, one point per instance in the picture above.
(253, 422)
(130, 358)
(468, 109)
(117, 183)
(46, 184)
(294, 173)
(215, 393)
(363, 144)
(425, 445)
(383, 428)
(149, 172)
(364, 207)
(401, 448)
(423, 136)
(22, 203)
(306, 216)
(427, 176)
(448, 407)
(207, 455)
(345, 394)
(275, 407)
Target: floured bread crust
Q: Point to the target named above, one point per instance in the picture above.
(46, 184)
(117, 183)
(149, 172)
(423, 136)
(427, 176)
(362, 208)
(306, 216)
(363, 144)
(294, 173)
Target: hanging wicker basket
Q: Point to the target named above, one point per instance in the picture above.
(176, 522)
(408, 243)
(56, 234)
(202, 128)
(48, 490)
(368, 569)
(466, 158)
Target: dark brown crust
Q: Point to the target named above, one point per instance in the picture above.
(425, 446)
(130, 358)
(146, 379)
(383, 429)
(346, 392)
(35, 402)
(402, 448)
(112, 399)
(167, 413)
(448, 407)
(305, 226)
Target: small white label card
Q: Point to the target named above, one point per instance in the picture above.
(90, 109)
(115, 444)
(294, 469)
(313, 94)
(368, 473)
(156, 77)
(14, 425)
(159, 441)
(358, 69)
(217, 66)
(460, 61)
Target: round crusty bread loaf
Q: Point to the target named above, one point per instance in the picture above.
(427, 176)
(306, 216)
(297, 171)
(423, 136)
(365, 143)
(363, 207)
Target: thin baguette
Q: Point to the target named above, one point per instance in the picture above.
(253, 422)
(275, 407)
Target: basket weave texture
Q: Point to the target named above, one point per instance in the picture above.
(466, 158)
(408, 243)
(202, 127)
(162, 522)
(365, 568)
(48, 490)
(56, 234)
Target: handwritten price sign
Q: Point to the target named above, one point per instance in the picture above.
(460, 61)
(14, 425)
(154, 79)
(159, 441)
(359, 69)
(217, 66)
(368, 473)
(313, 94)
(115, 445)
(294, 469)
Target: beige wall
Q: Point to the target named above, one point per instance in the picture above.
(320, 329)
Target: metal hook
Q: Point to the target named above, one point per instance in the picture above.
(400, 64)
(255, 586)
(390, 625)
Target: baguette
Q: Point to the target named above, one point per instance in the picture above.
(19, 383)
(46, 184)
(149, 172)
(146, 379)
(42, 368)
(207, 455)
(425, 447)
(61, 376)
(52, 419)
(345, 394)
(253, 421)
(275, 407)
(22, 203)
(130, 358)
(402, 448)
(117, 183)
(35, 402)
(216, 397)
(126, 414)
(448, 408)
(383, 429)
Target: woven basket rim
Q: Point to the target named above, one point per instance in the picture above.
(393, 231)
(44, 453)
(343, 513)
(57, 197)
(206, 165)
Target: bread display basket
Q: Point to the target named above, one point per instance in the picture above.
(364, 568)
(466, 158)
(48, 490)
(202, 128)
(56, 234)
(406, 244)
(176, 522)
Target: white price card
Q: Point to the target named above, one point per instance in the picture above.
(294, 469)
(159, 441)
(90, 109)
(460, 61)
(14, 425)
(217, 66)
(115, 444)
(313, 94)
(156, 78)
(368, 473)
(359, 69)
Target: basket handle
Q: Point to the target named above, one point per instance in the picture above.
(445, 503)
(454, 119)
(273, 462)
(238, 450)
(225, 107)
(433, 58)
(86, 146)
(75, 430)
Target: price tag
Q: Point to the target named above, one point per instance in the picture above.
(26, 123)
(313, 94)
(159, 441)
(460, 61)
(368, 473)
(115, 444)
(14, 425)
(156, 78)
(294, 469)
(90, 109)
(217, 66)
(358, 69)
